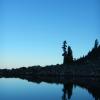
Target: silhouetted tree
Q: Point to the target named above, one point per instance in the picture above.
(69, 55)
(96, 44)
(64, 52)
(92, 54)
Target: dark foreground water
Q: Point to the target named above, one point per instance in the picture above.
(18, 89)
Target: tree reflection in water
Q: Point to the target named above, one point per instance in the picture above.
(67, 91)
(91, 84)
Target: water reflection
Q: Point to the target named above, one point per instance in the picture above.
(92, 85)
(67, 91)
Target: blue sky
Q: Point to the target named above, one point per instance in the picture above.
(32, 31)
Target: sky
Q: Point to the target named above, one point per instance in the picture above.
(32, 31)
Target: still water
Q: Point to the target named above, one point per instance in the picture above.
(18, 89)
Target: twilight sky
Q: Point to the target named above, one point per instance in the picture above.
(32, 31)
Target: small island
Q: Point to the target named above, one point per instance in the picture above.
(86, 66)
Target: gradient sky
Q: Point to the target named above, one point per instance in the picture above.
(32, 31)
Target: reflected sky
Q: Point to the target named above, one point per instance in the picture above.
(17, 89)
(81, 94)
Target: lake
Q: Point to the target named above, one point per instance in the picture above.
(19, 89)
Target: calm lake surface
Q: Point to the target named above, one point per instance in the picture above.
(18, 89)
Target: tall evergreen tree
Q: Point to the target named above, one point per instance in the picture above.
(69, 55)
(64, 52)
(96, 44)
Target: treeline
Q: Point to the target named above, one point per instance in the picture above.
(69, 66)
(92, 56)
(32, 71)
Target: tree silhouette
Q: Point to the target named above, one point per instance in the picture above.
(67, 91)
(92, 55)
(96, 44)
(69, 55)
(65, 52)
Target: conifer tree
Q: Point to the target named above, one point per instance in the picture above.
(64, 52)
(96, 44)
(69, 55)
